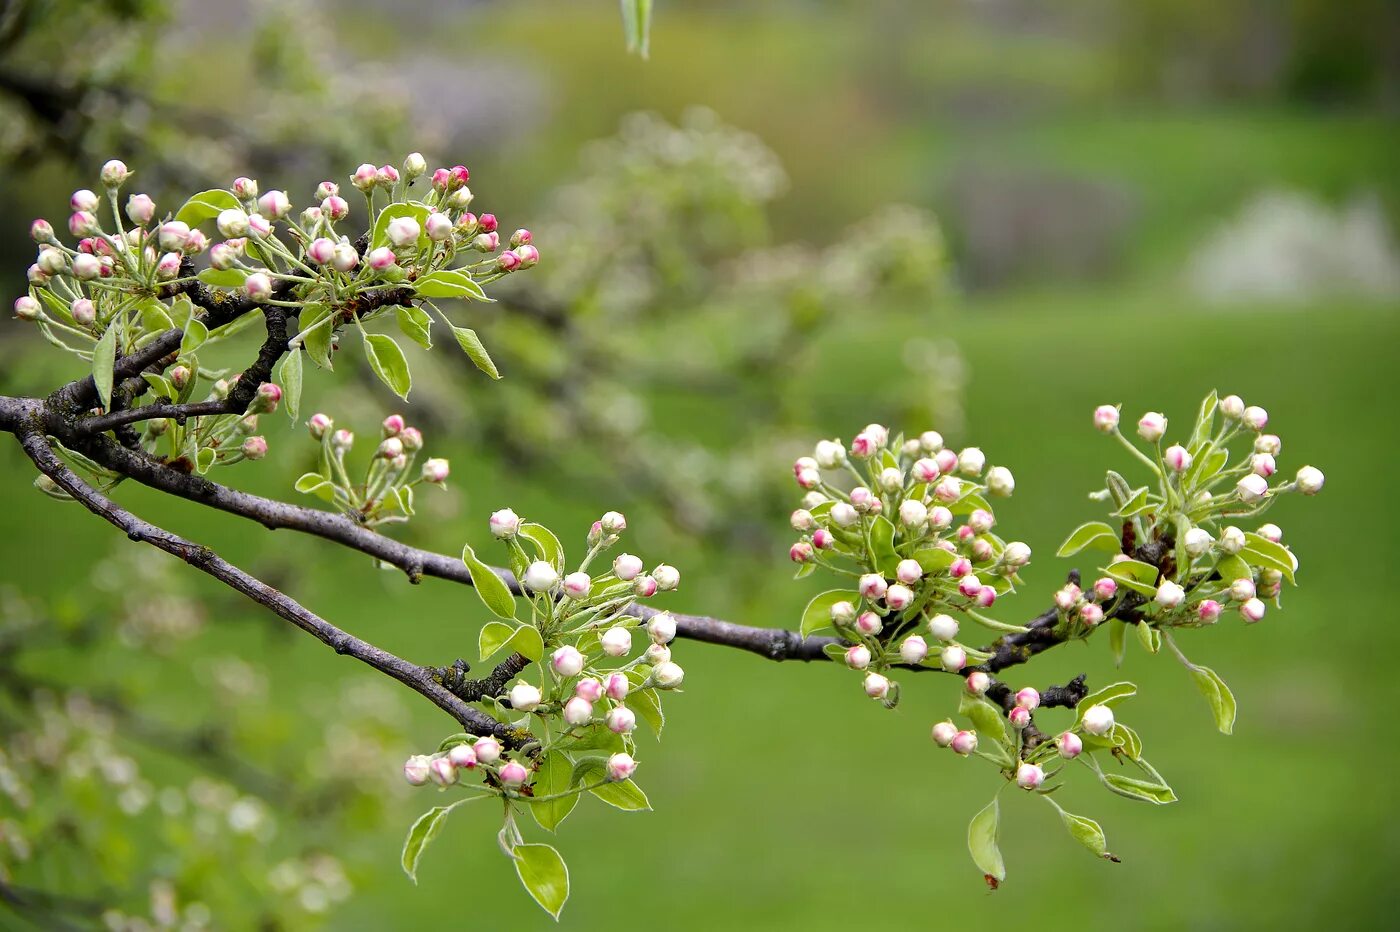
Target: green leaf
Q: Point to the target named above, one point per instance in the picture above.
(1262, 552)
(104, 357)
(987, 717)
(550, 550)
(418, 212)
(195, 335)
(647, 704)
(1149, 637)
(934, 559)
(449, 283)
(1136, 504)
(1233, 567)
(223, 278)
(1136, 575)
(982, 841)
(289, 376)
(817, 614)
(544, 874)
(206, 205)
(159, 384)
(1145, 790)
(388, 362)
(553, 779)
(496, 636)
(1087, 833)
(423, 831)
(1117, 634)
(1126, 738)
(882, 546)
(471, 345)
(318, 340)
(311, 482)
(1093, 534)
(155, 317)
(204, 460)
(416, 324)
(494, 592)
(1110, 696)
(1222, 701)
(636, 26)
(1205, 421)
(623, 794)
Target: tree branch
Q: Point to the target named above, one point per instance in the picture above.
(420, 679)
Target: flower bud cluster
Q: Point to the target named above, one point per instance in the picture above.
(385, 493)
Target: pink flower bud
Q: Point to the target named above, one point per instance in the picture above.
(978, 682)
(899, 597)
(386, 176)
(589, 688)
(913, 649)
(948, 489)
(1252, 610)
(876, 686)
(258, 286)
(1242, 590)
(567, 661)
(442, 771)
(435, 471)
(925, 470)
(1252, 488)
(415, 769)
(953, 658)
(1069, 745)
(873, 586)
(1176, 458)
(403, 232)
(621, 720)
(1271, 532)
(321, 251)
(1019, 718)
(645, 586)
(504, 524)
(342, 440)
(488, 222)
(335, 208)
(1208, 611)
(862, 499)
(275, 204)
(939, 518)
(1106, 418)
(390, 448)
(1262, 465)
(529, 256)
(864, 446)
(364, 177)
(627, 567)
(943, 733)
(168, 266)
(823, 540)
(382, 259)
(913, 514)
(1029, 776)
(613, 522)
(84, 312)
(462, 755)
(909, 572)
(800, 552)
(1151, 426)
(513, 773)
(969, 586)
(1098, 720)
(802, 520)
(1091, 613)
(617, 686)
(244, 188)
(986, 597)
(1169, 595)
(1255, 417)
(180, 377)
(83, 223)
(438, 227)
(578, 585)
(486, 242)
(809, 478)
(869, 624)
(960, 568)
(83, 199)
(1028, 698)
(26, 308)
(621, 766)
(964, 743)
(616, 641)
(255, 448)
(858, 657)
(943, 627)
(578, 711)
(488, 750)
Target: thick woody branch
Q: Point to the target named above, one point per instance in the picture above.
(202, 558)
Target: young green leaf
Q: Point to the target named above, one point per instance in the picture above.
(1093, 534)
(205, 205)
(1262, 552)
(1222, 701)
(317, 339)
(817, 614)
(551, 780)
(488, 585)
(636, 26)
(1136, 575)
(1145, 790)
(388, 362)
(195, 335)
(647, 704)
(550, 550)
(1117, 632)
(471, 345)
(544, 874)
(449, 283)
(987, 717)
(1149, 637)
(104, 357)
(497, 636)
(289, 376)
(882, 546)
(1110, 696)
(416, 324)
(493, 636)
(982, 841)
(418, 212)
(423, 831)
(1085, 831)
(623, 794)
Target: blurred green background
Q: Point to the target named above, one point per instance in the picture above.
(1141, 202)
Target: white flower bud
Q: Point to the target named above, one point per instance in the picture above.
(1016, 554)
(843, 514)
(578, 711)
(1151, 426)
(943, 733)
(415, 769)
(577, 586)
(541, 577)
(414, 165)
(1252, 610)
(1106, 418)
(1255, 417)
(930, 441)
(1232, 540)
(667, 577)
(1197, 541)
(1098, 720)
(613, 522)
(1242, 590)
(943, 627)
(403, 231)
(858, 657)
(891, 479)
(114, 173)
(876, 686)
(913, 513)
(909, 572)
(524, 697)
(829, 454)
(621, 766)
(899, 597)
(616, 642)
(627, 567)
(1271, 532)
(1029, 776)
(505, 524)
(488, 750)
(802, 520)
(953, 658)
(621, 720)
(978, 682)
(232, 223)
(668, 675)
(1169, 595)
(661, 628)
(443, 771)
(913, 649)
(1232, 406)
(1310, 480)
(1000, 481)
